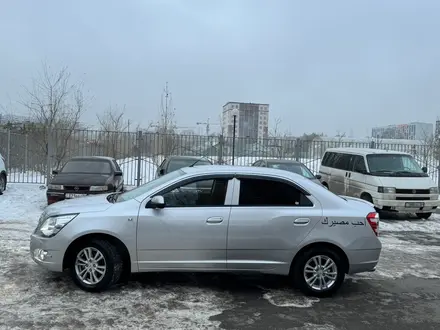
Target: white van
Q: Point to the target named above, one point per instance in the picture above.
(391, 180)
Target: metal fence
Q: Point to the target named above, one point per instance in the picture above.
(31, 156)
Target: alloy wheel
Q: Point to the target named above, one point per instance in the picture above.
(90, 266)
(320, 272)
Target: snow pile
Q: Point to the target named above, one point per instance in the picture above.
(22, 202)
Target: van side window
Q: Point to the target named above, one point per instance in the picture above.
(359, 164)
(328, 159)
(342, 161)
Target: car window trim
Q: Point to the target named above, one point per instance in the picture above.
(190, 179)
(271, 178)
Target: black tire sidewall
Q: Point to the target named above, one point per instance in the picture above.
(298, 271)
(2, 183)
(105, 248)
(424, 216)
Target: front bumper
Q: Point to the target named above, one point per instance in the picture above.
(44, 254)
(58, 196)
(399, 205)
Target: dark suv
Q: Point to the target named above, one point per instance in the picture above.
(173, 163)
(82, 176)
(289, 165)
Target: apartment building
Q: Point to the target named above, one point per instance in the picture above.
(252, 120)
(411, 131)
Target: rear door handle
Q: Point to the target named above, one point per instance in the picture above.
(301, 221)
(214, 220)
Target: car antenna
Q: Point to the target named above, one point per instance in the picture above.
(198, 160)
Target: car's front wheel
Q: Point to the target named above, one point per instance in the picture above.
(423, 215)
(96, 265)
(319, 272)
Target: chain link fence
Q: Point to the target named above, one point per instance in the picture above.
(30, 157)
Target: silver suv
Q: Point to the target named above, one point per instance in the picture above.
(212, 219)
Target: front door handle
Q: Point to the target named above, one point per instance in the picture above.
(214, 220)
(301, 221)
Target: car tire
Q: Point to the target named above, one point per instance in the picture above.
(2, 183)
(423, 215)
(96, 265)
(305, 266)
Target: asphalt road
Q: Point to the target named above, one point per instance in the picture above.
(403, 294)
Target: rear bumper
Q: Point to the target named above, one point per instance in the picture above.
(399, 205)
(363, 260)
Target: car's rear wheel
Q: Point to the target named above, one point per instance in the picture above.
(96, 265)
(2, 183)
(423, 215)
(319, 272)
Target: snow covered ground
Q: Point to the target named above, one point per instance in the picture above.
(32, 297)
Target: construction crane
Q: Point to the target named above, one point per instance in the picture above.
(207, 124)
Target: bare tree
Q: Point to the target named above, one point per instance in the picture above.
(277, 140)
(427, 151)
(165, 141)
(114, 125)
(56, 106)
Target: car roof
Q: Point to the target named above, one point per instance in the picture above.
(282, 161)
(247, 170)
(365, 151)
(187, 157)
(92, 158)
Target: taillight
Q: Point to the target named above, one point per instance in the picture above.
(373, 220)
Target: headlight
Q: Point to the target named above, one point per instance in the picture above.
(386, 190)
(98, 188)
(52, 225)
(433, 190)
(56, 186)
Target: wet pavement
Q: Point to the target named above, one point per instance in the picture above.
(404, 293)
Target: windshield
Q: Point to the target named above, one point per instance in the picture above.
(297, 168)
(87, 166)
(148, 186)
(175, 164)
(394, 165)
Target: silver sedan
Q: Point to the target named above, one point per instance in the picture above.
(212, 219)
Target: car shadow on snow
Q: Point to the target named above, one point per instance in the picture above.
(239, 286)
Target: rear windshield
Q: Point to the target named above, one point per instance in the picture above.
(87, 166)
(297, 168)
(176, 164)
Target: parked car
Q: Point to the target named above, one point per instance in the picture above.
(82, 176)
(173, 163)
(392, 181)
(289, 165)
(3, 175)
(251, 219)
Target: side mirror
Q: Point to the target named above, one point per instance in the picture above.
(318, 176)
(161, 171)
(118, 173)
(157, 202)
(55, 172)
(425, 169)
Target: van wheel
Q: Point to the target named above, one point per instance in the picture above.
(367, 197)
(96, 265)
(319, 272)
(423, 215)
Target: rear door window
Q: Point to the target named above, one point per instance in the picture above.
(342, 161)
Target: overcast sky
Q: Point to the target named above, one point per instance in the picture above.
(323, 66)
